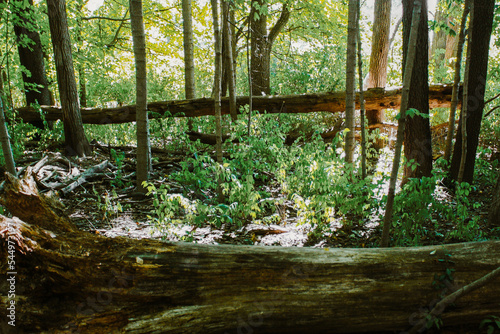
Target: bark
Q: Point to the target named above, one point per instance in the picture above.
(217, 91)
(36, 88)
(417, 139)
(143, 146)
(187, 21)
(377, 75)
(361, 94)
(31, 56)
(494, 213)
(350, 98)
(482, 21)
(10, 164)
(443, 42)
(228, 59)
(75, 140)
(82, 81)
(88, 283)
(260, 61)
(456, 81)
(463, 114)
(261, 44)
(438, 40)
(408, 73)
(439, 97)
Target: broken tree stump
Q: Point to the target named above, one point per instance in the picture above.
(69, 281)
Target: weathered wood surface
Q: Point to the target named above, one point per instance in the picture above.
(376, 99)
(73, 281)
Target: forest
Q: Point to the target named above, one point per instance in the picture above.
(250, 166)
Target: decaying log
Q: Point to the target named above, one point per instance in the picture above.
(376, 99)
(72, 281)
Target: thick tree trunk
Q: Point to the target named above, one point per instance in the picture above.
(30, 54)
(29, 46)
(417, 139)
(439, 96)
(261, 43)
(260, 63)
(65, 280)
(76, 142)
(443, 42)
(143, 147)
(377, 75)
(482, 21)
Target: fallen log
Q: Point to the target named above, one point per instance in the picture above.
(376, 99)
(69, 281)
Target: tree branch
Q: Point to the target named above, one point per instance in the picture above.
(282, 21)
(451, 298)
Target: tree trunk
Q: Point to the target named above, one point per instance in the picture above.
(408, 73)
(143, 147)
(377, 75)
(217, 91)
(228, 59)
(36, 88)
(10, 164)
(456, 81)
(443, 42)
(189, 77)
(361, 92)
(29, 46)
(494, 214)
(82, 81)
(75, 140)
(350, 105)
(261, 44)
(260, 62)
(417, 139)
(439, 97)
(187, 21)
(68, 281)
(482, 21)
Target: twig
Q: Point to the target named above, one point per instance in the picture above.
(451, 298)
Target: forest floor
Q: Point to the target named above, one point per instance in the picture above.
(107, 204)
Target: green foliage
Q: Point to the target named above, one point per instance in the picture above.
(108, 205)
(492, 324)
(112, 134)
(19, 132)
(259, 174)
(423, 205)
(118, 158)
